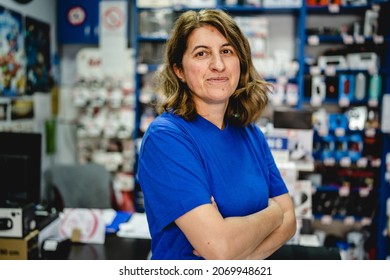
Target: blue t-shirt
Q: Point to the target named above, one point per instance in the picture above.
(182, 164)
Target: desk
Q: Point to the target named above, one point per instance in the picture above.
(114, 248)
(300, 252)
(117, 248)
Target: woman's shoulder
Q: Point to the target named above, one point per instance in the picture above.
(255, 131)
(165, 121)
(167, 126)
(253, 127)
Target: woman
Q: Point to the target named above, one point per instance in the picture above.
(211, 187)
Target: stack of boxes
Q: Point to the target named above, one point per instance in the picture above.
(18, 233)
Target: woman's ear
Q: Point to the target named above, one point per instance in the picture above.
(179, 72)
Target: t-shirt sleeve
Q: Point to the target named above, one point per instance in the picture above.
(171, 176)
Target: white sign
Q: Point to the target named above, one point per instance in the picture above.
(113, 31)
(113, 37)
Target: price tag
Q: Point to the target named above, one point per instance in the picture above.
(359, 39)
(344, 102)
(315, 70)
(344, 191)
(326, 219)
(339, 131)
(329, 161)
(348, 39)
(376, 162)
(313, 40)
(334, 8)
(378, 39)
(364, 192)
(330, 71)
(350, 220)
(345, 162)
(366, 221)
(142, 69)
(315, 101)
(362, 162)
(370, 132)
(373, 103)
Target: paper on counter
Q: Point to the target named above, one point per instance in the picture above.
(136, 227)
(83, 225)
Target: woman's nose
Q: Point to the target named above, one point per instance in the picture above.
(217, 63)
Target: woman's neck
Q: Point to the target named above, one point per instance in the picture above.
(214, 113)
(216, 118)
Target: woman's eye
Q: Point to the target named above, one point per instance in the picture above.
(200, 54)
(227, 51)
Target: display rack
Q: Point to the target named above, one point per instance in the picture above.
(373, 43)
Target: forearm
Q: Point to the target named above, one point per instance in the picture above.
(215, 237)
(243, 234)
(276, 239)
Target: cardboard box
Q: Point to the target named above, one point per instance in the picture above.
(20, 248)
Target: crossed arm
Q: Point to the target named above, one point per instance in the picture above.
(255, 236)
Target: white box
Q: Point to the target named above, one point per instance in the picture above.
(17, 221)
(363, 61)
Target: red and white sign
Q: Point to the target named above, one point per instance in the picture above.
(83, 225)
(113, 18)
(113, 31)
(113, 38)
(76, 15)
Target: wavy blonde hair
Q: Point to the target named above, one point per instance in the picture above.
(251, 96)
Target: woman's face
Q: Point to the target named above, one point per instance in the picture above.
(210, 67)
